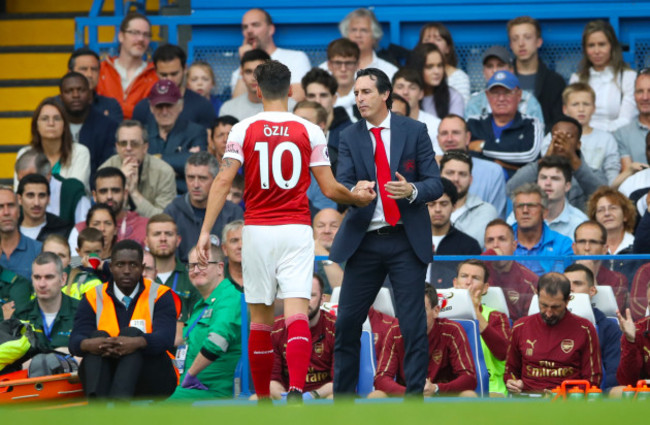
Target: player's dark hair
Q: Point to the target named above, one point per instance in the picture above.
(571, 120)
(555, 161)
(322, 77)
(32, 178)
(449, 189)
(410, 75)
(321, 283)
(223, 120)
(477, 263)
(382, 82)
(603, 231)
(397, 97)
(273, 79)
(169, 52)
(254, 55)
(575, 267)
(110, 172)
(456, 155)
(82, 51)
(128, 245)
(553, 283)
(431, 293)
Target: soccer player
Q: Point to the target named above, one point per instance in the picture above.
(279, 148)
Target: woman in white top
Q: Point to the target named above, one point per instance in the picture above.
(51, 136)
(438, 34)
(439, 99)
(602, 67)
(617, 214)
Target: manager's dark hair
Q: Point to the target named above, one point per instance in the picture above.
(381, 81)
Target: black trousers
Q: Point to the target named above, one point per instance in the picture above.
(365, 272)
(133, 375)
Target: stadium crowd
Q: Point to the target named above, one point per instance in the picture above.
(98, 233)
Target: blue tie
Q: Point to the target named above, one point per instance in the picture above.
(127, 301)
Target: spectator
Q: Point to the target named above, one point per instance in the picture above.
(450, 371)
(84, 277)
(517, 281)
(71, 190)
(127, 77)
(498, 58)
(629, 137)
(188, 210)
(86, 62)
(51, 313)
(505, 136)
(609, 335)
(636, 182)
(534, 237)
(554, 177)
(162, 240)
(488, 180)
(201, 79)
(634, 364)
(101, 217)
(150, 181)
(248, 103)
(597, 147)
(231, 244)
(439, 99)
(87, 126)
(617, 214)
(51, 136)
(554, 345)
(35, 222)
(591, 239)
(326, 224)
(169, 61)
(447, 240)
(438, 34)
(565, 142)
(525, 35)
(219, 135)
(123, 331)
(602, 67)
(494, 326)
(258, 29)
(149, 266)
(639, 292)
(321, 365)
(172, 138)
(471, 214)
(342, 63)
(399, 105)
(15, 290)
(18, 251)
(213, 337)
(408, 84)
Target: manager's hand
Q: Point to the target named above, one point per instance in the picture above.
(400, 188)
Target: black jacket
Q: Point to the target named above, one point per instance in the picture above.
(549, 86)
(53, 225)
(442, 273)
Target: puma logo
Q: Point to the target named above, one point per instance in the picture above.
(529, 350)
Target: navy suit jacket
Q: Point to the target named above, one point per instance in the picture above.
(411, 154)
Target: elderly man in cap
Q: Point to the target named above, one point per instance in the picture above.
(171, 138)
(505, 135)
(498, 58)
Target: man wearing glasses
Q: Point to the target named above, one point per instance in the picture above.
(149, 180)
(506, 136)
(534, 237)
(127, 77)
(343, 62)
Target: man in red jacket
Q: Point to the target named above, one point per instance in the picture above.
(451, 368)
(635, 349)
(127, 77)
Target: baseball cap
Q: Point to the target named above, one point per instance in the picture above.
(164, 91)
(504, 79)
(497, 51)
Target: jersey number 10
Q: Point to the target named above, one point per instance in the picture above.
(276, 164)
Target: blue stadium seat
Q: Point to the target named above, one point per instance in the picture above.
(241, 384)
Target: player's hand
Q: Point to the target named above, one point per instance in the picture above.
(627, 325)
(203, 248)
(515, 386)
(400, 188)
(364, 193)
(430, 388)
(475, 295)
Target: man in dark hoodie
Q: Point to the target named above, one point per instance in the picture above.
(188, 210)
(33, 197)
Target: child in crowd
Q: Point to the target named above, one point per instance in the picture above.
(90, 244)
(201, 79)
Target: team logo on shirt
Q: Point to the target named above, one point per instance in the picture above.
(442, 301)
(567, 345)
(529, 350)
(513, 296)
(437, 356)
(326, 153)
(409, 165)
(318, 348)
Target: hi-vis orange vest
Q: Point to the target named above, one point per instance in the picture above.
(142, 317)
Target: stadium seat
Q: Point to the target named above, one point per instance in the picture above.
(383, 302)
(579, 304)
(605, 301)
(495, 299)
(241, 384)
(455, 304)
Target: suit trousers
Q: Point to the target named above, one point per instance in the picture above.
(378, 256)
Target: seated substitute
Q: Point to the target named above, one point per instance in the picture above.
(123, 330)
(635, 345)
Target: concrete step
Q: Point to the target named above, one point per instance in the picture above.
(24, 98)
(20, 66)
(15, 130)
(44, 32)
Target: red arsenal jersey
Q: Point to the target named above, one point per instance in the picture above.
(618, 282)
(635, 357)
(321, 365)
(518, 284)
(639, 292)
(543, 356)
(380, 324)
(277, 149)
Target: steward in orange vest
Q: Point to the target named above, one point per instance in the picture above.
(124, 329)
